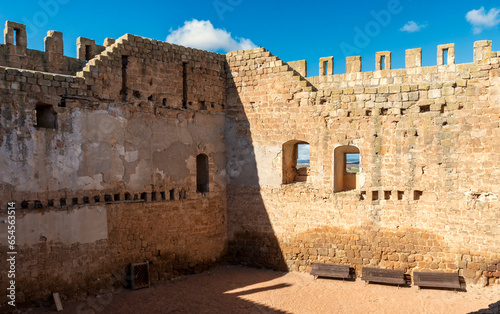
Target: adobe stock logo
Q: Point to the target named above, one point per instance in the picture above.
(223, 6)
(363, 36)
(48, 9)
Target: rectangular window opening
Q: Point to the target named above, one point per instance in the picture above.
(172, 194)
(16, 36)
(162, 194)
(153, 196)
(352, 163)
(46, 117)
(445, 56)
(202, 174)
(123, 91)
(374, 195)
(382, 63)
(184, 85)
(116, 197)
(88, 52)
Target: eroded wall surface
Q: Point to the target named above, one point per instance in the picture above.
(428, 189)
(113, 180)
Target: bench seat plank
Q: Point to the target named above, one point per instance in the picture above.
(436, 280)
(330, 270)
(380, 275)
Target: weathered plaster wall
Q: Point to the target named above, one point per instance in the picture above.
(109, 146)
(115, 181)
(85, 225)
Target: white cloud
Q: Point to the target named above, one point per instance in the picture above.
(480, 19)
(412, 27)
(203, 35)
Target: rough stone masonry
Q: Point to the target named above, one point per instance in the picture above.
(140, 150)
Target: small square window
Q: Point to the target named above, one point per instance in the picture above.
(46, 117)
(352, 163)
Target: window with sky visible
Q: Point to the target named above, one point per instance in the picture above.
(352, 163)
(303, 156)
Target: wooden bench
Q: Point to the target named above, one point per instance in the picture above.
(436, 280)
(380, 275)
(330, 270)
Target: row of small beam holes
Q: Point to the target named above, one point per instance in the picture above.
(161, 196)
(384, 111)
(388, 195)
(155, 196)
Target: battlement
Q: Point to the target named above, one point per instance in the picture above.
(14, 52)
(383, 65)
(139, 149)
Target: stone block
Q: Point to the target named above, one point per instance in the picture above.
(353, 64)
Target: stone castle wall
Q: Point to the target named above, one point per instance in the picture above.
(103, 168)
(101, 157)
(426, 196)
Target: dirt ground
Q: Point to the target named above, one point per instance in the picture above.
(232, 289)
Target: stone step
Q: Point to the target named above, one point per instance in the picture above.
(300, 178)
(303, 171)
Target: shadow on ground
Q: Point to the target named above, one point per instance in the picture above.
(493, 308)
(221, 290)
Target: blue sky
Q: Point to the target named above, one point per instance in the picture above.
(292, 30)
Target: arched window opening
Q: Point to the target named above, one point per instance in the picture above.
(296, 159)
(202, 178)
(347, 161)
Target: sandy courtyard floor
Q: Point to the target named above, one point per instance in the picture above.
(233, 289)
